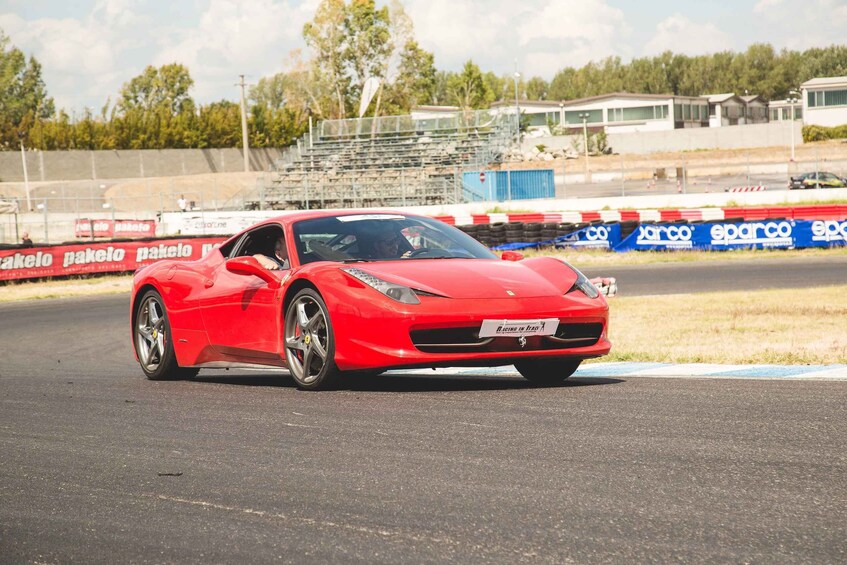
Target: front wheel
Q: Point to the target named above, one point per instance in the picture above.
(547, 371)
(310, 342)
(154, 341)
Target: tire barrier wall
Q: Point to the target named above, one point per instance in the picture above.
(624, 230)
(705, 236)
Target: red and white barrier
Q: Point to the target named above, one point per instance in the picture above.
(113, 257)
(814, 212)
(755, 188)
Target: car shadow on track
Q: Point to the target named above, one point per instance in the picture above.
(399, 382)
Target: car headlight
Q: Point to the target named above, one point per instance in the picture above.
(394, 291)
(582, 283)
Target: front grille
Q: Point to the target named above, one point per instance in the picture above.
(464, 340)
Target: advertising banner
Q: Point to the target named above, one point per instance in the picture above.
(600, 236)
(114, 228)
(107, 257)
(720, 236)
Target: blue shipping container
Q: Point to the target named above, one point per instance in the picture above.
(511, 185)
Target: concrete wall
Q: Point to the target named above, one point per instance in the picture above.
(688, 139)
(82, 165)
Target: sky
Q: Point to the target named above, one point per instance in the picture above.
(88, 49)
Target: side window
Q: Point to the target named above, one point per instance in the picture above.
(259, 241)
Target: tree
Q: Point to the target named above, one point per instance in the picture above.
(368, 44)
(270, 92)
(326, 36)
(401, 33)
(220, 124)
(468, 89)
(501, 87)
(440, 96)
(416, 78)
(536, 89)
(163, 89)
(23, 96)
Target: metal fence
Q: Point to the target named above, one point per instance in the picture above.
(52, 210)
(56, 207)
(388, 125)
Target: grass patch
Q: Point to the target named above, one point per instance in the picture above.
(65, 288)
(591, 257)
(783, 327)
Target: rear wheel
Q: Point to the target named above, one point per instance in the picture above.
(154, 342)
(547, 371)
(310, 342)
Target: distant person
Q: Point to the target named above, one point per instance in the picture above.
(182, 203)
(25, 240)
(279, 259)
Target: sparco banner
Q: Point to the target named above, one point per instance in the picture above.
(114, 257)
(765, 234)
(600, 236)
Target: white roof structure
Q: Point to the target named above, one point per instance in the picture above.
(824, 82)
(718, 98)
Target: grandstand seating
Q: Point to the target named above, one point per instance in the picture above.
(396, 161)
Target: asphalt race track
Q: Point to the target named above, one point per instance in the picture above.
(100, 465)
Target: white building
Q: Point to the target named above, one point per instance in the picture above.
(725, 109)
(781, 110)
(619, 112)
(755, 109)
(825, 101)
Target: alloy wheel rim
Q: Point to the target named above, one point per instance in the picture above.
(306, 340)
(150, 334)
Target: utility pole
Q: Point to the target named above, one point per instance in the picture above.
(26, 175)
(244, 127)
(517, 106)
(584, 116)
(792, 100)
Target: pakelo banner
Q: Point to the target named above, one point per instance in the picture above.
(114, 228)
(114, 257)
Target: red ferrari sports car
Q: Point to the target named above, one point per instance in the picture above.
(363, 291)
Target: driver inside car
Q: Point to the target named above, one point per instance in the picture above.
(383, 242)
(279, 260)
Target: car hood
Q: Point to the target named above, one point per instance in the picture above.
(478, 278)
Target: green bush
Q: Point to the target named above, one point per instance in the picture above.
(822, 133)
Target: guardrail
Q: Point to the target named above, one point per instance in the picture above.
(626, 230)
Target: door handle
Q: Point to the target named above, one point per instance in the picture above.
(208, 283)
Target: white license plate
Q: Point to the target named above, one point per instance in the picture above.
(517, 328)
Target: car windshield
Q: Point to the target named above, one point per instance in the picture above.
(383, 237)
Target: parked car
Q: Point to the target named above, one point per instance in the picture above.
(817, 180)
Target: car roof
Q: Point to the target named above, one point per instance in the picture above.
(294, 217)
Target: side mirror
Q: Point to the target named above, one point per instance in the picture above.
(249, 266)
(511, 256)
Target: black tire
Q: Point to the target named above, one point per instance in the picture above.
(547, 371)
(310, 342)
(153, 340)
